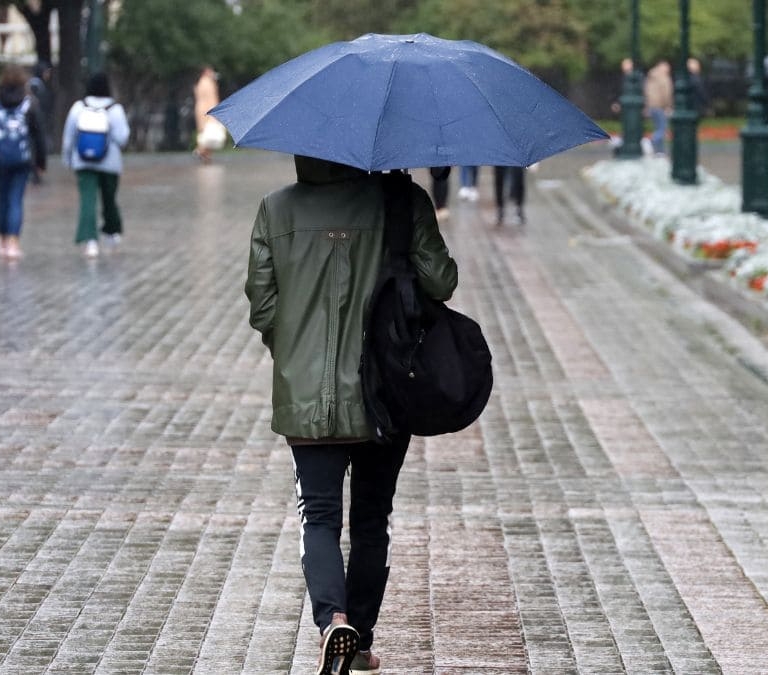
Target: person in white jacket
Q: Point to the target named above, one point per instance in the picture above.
(96, 176)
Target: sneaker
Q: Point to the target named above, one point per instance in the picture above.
(365, 663)
(464, 192)
(12, 250)
(91, 249)
(338, 646)
(113, 240)
(473, 195)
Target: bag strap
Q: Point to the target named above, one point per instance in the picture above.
(398, 213)
(398, 234)
(98, 107)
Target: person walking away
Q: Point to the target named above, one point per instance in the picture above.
(98, 171)
(316, 250)
(211, 135)
(699, 96)
(22, 148)
(515, 175)
(659, 92)
(41, 88)
(627, 67)
(440, 189)
(468, 181)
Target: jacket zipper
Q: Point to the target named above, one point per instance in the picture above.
(332, 346)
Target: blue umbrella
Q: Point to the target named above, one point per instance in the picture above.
(405, 101)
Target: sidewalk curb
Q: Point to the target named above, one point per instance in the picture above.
(702, 276)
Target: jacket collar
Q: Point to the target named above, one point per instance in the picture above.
(321, 171)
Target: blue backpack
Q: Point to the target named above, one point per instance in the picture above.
(93, 133)
(14, 136)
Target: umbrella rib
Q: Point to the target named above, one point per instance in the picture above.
(383, 108)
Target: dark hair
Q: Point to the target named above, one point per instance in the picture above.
(98, 85)
(41, 68)
(13, 76)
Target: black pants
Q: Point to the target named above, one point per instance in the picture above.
(319, 489)
(516, 187)
(440, 186)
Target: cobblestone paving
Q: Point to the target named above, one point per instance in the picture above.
(607, 513)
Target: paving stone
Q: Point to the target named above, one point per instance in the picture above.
(608, 513)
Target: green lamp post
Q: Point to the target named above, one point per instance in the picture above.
(631, 98)
(754, 136)
(684, 118)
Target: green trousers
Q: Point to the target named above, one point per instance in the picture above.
(89, 184)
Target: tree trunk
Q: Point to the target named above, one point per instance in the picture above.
(70, 57)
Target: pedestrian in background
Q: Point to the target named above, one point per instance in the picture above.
(22, 150)
(699, 96)
(41, 87)
(100, 176)
(315, 255)
(211, 134)
(659, 92)
(515, 176)
(468, 182)
(440, 189)
(627, 68)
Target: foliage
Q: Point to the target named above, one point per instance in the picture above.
(713, 26)
(348, 19)
(159, 40)
(542, 35)
(569, 37)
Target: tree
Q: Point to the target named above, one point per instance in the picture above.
(542, 35)
(714, 25)
(159, 47)
(348, 19)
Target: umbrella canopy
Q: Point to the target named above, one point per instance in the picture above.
(405, 101)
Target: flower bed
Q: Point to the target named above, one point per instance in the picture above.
(750, 269)
(702, 221)
(644, 190)
(719, 236)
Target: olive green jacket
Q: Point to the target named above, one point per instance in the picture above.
(315, 254)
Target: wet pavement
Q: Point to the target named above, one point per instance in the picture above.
(606, 514)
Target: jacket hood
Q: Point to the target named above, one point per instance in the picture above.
(98, 101)
(321, 171)
(10, 97)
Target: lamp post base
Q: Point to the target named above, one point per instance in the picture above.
(632, 126)
(754, 158)
(684, 146)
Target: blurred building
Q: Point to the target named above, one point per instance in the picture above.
(17, 42)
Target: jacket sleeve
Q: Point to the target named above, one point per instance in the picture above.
(436, 269)
(118, 125)
(261, 285)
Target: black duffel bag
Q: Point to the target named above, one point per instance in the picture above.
(425, 368)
